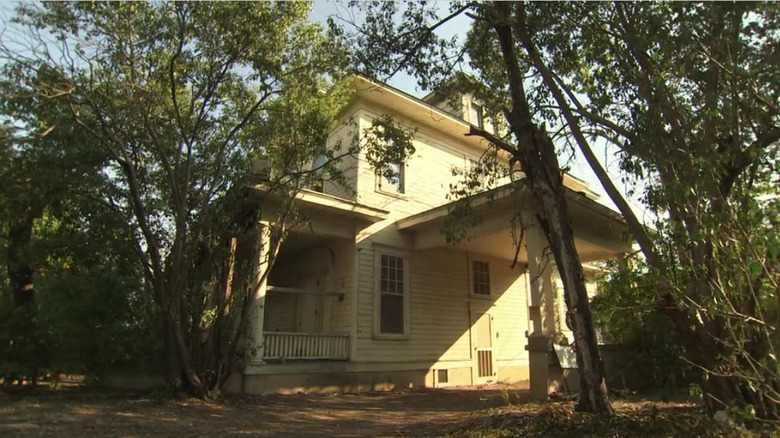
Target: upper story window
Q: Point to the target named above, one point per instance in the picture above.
(318, 167)
(480, 274)
(394, 183)
(477, 115)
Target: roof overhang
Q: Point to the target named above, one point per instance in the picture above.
(396, 103)
(600, 233)
(310, 200)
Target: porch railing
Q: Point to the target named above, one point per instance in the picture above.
(281, 345)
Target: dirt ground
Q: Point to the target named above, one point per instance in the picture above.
(483, 412)
(87, 413)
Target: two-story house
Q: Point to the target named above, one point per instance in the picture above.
(370, 295)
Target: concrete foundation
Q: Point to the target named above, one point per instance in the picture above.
(356, 377)
(329, 382)
(335, 377)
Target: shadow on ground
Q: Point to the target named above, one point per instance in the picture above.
(81, 412)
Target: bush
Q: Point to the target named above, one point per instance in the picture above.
(626, 313)
(82, 323)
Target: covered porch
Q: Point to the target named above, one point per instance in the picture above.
(503, 225)
(305, 313)
(302, 308)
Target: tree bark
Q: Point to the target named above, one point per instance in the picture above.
(555, 221)
(20, 272)
(536, 153)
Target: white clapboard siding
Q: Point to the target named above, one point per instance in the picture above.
(439, 302)
(439, 306)
(341, 138)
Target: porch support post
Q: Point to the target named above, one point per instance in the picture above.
(260, 282)
(540, 267)
(541, 311)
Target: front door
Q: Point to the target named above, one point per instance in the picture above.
(482, 347)
(310, 308)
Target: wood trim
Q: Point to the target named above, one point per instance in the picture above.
(376, 333)
(295, 290)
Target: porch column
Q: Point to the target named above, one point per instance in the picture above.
(541, 310)
(540, 267)
(259, 283)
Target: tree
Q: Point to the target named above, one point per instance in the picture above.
(181, 98)
(38, 158)
(688, 94)
(495, 46)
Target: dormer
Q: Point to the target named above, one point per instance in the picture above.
(464, 107)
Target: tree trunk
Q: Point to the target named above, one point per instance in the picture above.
(536, 154)
(555, 221)
(20, 272)
(172, 365)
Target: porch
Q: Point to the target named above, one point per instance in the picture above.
(305, 317)
(501, 233)
(303, 305)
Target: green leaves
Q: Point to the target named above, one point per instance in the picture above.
(774, 251)
(152, 114)
(387, 145)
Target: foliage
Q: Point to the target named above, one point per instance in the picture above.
(84, 323)
(626, 314)
(176, 100)
(688, 94)
(89, 312)
(52, 219)
(178, 96)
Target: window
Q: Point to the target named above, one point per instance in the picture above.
(392, 295)
(318, 167)
(442, 376)
(477, 115)
(480, 272)
(395, 183)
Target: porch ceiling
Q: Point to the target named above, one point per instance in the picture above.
(322, 215)
(599, 232)
(297, 243)
(310, 200)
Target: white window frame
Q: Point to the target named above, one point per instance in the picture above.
(317, 163)
(378, 253)
(383, 185)
(477, 111)
(473, 278)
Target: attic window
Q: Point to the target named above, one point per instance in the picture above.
(477, 115)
